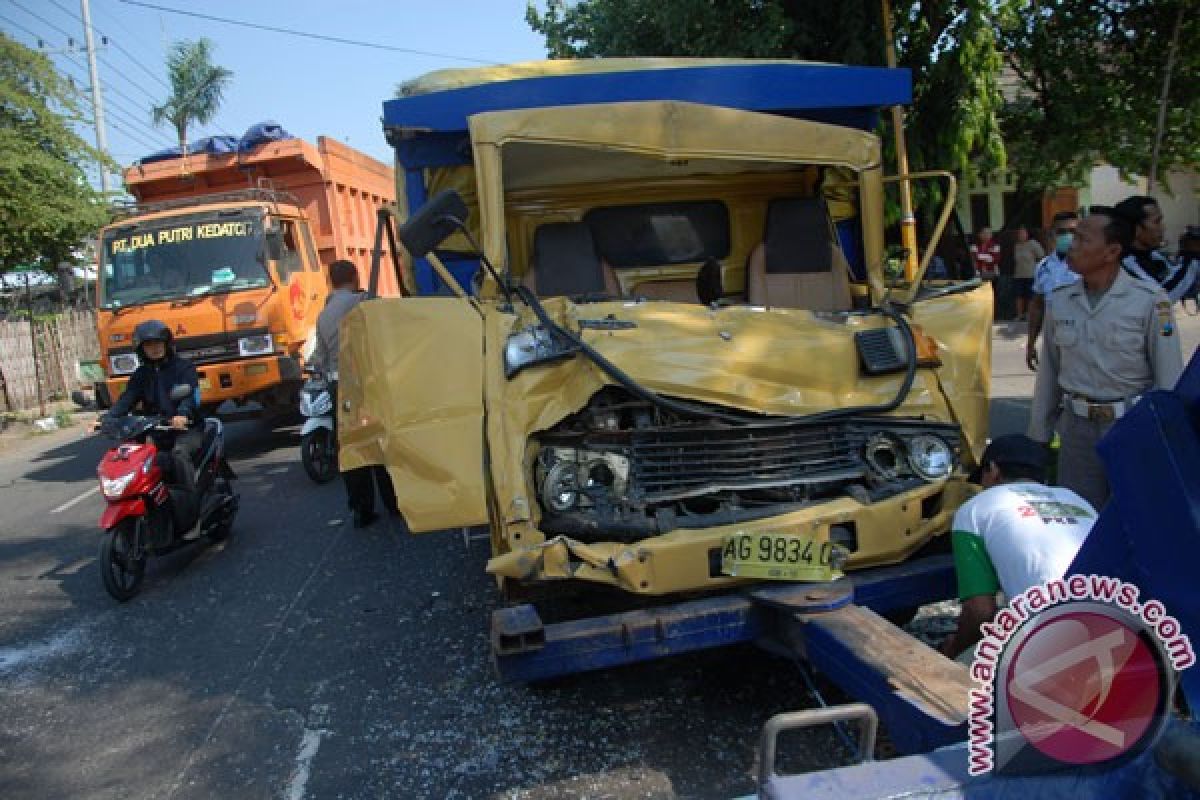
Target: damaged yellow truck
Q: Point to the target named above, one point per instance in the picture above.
(682, 364)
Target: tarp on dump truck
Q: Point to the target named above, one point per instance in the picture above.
(259, 133)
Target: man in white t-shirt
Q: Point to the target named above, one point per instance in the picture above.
(1015, 534)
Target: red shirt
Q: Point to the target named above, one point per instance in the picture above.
(986, 257)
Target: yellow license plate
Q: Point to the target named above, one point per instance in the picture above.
(205, 385)
(778, 557)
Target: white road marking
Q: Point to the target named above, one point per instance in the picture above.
(77, 500)
(304, 757)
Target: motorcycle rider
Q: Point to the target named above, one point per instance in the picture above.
(149, 390)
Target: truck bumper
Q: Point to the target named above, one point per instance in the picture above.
(240, 381)
(885, 532)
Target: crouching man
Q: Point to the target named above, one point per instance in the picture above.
(1015, 534)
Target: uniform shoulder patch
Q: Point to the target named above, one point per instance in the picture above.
(1165, 326)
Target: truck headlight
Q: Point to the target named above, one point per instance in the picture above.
(256, 345)
(534, 345)
(114, 488)
(123, 364)
(930, 457)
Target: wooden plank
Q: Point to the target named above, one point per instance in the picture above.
(917, 672)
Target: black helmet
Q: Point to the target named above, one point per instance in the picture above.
(151, 330)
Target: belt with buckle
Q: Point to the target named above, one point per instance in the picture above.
(1100, 411)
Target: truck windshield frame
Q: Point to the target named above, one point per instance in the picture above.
(183, 257)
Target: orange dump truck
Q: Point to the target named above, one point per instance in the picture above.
(237, 273)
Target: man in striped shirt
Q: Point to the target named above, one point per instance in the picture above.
(1143, 259)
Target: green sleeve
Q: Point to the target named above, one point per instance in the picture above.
(976, 573)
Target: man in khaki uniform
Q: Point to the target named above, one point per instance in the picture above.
(1108, 339)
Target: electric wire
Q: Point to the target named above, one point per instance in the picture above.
(19, 26)
(43, 20)
(306, 34)
(129, 121)
(115, 44)
(104, 84)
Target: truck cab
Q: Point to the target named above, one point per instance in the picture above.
(237, 279)
(685, 365)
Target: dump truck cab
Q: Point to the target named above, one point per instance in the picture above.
(685, 366)
(230, 248)
(235, 276)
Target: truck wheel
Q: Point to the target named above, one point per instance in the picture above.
(123, 560)
(318, 455)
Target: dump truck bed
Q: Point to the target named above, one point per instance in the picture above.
(337, 187)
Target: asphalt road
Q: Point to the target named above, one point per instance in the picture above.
(303, 658)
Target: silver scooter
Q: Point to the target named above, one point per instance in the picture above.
(318, 445)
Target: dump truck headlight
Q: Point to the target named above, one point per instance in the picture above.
(256, 345)
(124, 364)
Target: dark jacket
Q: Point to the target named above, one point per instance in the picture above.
(152, 383)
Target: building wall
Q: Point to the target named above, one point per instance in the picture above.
(1180, 205)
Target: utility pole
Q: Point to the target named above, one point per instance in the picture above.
(908, 223)
(33, 348)
(97, 96)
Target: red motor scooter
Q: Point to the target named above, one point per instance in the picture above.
(148, 516)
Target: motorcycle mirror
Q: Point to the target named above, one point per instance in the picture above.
(434, 223)
(180, 391)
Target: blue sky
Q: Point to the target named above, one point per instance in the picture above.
(311, 87)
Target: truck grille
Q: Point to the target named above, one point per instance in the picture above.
(677, 463)
(206, 348)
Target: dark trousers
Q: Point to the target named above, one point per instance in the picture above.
(361, 482)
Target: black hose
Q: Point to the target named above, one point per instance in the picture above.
(686, 409)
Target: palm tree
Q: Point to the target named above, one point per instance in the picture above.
(196, 88)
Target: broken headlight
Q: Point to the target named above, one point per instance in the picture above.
(534, 345)
(570, 479)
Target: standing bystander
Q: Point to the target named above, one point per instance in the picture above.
(1050, 274)
(1027, 252)
(986, 254)
(1143, 258)
(360, 482)
(1109, 339)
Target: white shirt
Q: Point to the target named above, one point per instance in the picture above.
(1051, 273)
(1030, 532)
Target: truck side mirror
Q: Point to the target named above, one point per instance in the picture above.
(434, 223)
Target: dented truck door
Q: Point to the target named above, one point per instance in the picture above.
(412, 400)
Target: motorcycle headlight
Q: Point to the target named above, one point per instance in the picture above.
(123, 364)
(256, 345)
(114, 488)
(321, 404)
(305, 405)
(533, 345)
(930, 457)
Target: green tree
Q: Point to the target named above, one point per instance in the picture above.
(948, 44)
(47, 206)
(197, 86)
(1088, 80)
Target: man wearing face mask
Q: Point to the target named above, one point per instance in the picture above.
(1051, 273)
(1143, 258)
